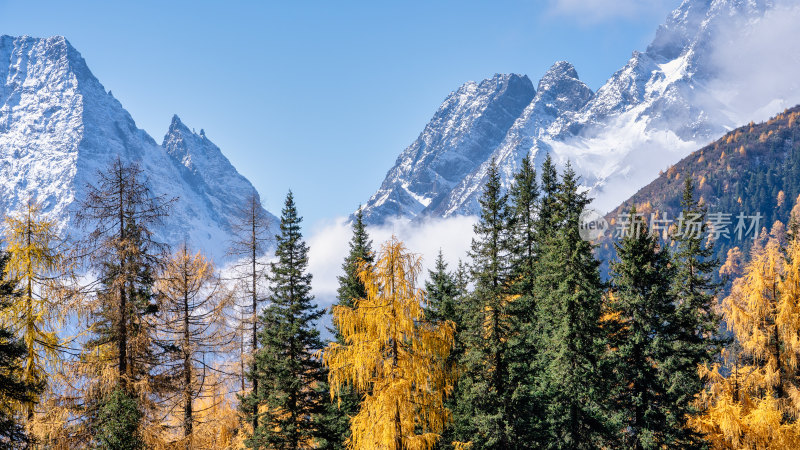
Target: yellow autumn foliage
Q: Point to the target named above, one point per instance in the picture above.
(393, 357)
(756, 405)
(37, 315)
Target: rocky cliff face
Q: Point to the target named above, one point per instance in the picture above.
(651, 113)
(59, 127)
(471, 122)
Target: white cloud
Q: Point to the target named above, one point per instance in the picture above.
(595, 11)
(329, 246)
(758, 64)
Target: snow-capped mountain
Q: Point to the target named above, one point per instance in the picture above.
(663, 104)
(59, 127)
(462, 134)
(559, 94)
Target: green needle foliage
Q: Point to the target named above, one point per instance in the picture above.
(444, 304)
(289, 398)
(118, 423)
(696, 325)
(640, 326)
(569, 298)
(524, 201)
(484, 416)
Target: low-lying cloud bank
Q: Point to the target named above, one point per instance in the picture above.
(758, 64)
(329, 244)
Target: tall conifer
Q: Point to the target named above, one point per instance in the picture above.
(121, 213)
(288, 398)
(697, 323)
(394, 357)
(641, 313)
(524, 341)
(444, 304)
(14, 388)
(484, 415)
(569, 296)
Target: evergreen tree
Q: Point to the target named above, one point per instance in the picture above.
(443, 294)
(639, 320)
(524, 342)
(444, 304)
(548, 203)
(483, 416)
(569, 293)
(14, 388)
(524, 199)
(336, 419)
(289, 400)
(696, 325)
(350, 285)
(462, 279)
(118, 423)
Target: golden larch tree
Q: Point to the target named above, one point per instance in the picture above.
(753, 399)
(36, 262)
(393, 357)
(191, 302)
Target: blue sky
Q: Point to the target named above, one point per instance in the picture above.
(321, 97)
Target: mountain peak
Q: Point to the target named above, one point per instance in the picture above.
(176, 122)
(563, 78)
(509, 79)
(462, 134)
(177, 126)
(59, 127)
(560, 69)
(649, 114)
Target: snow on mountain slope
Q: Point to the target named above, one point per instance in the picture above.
(59, 127)
(206, 170)
(559, 94)
(461, 135)
(663, 104)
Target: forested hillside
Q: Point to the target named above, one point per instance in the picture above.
(754, 169)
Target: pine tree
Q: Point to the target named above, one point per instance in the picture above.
(443, 306)
(641, 309)
(524, 342)
(350, 285)
(191, 306)
(484, 416)
(338, 413)
(250, 240)
(36, 261)
(393, 356)
(548, 204)
(462, 279)
(121, 213)
(696, 326)
(14, 388)
(524, 199)
(568, 289)
(288, 399)
(118, 423)
(443, 293)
